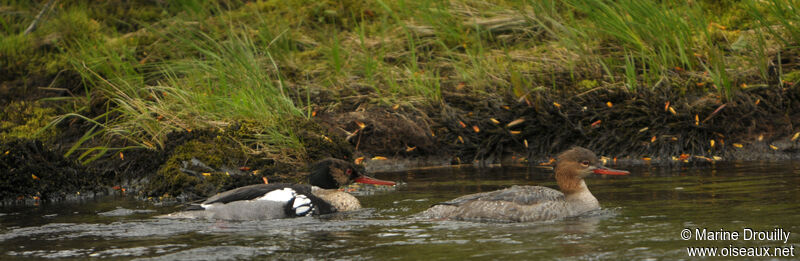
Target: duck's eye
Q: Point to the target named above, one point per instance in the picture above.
(349, 171)
(585, 163)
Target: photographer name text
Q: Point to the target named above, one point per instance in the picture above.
(746, 234)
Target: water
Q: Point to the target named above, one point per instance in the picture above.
(643, 218)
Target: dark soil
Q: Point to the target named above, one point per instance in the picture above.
(757, 123)
(754, 124)
(32, 171)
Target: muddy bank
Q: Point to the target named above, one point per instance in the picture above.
(626, 127)
(646, 125)
(193, 164)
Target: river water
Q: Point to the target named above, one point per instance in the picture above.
(644, 216)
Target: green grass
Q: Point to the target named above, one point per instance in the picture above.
(211, 80)
(185, 65)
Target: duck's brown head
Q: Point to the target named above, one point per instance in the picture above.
(333, 173)
(575, 164)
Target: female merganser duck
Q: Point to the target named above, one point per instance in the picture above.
(532, 203)
(281, 200)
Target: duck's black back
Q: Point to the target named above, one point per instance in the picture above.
(252, 192)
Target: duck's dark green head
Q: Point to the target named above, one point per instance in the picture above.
(333, 173)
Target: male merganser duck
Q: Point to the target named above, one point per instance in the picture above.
(532, 203)
(281, 200)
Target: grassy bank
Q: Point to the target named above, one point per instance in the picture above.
(291, 81)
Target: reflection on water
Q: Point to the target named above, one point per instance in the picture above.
(643, 217)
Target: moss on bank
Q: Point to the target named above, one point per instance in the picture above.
(213, 161)
(24, 119)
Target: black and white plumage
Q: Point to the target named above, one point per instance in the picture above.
(271, 201)
(281, 200)
(297, 200)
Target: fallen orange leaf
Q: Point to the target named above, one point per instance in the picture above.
(609, 104)
(463, 125)
(493, 120)
(515, 122)
(379, 158)
(557, 104)
(705, 158)
(265, 180)
(513, 132)
(475, 128)
(594, 124)
(410, 149)
(359, 160)
(34, 177)
(738, 145)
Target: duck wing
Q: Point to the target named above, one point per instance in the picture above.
(307, 200)
(253, 192)
(514, 204)
(521, 195)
